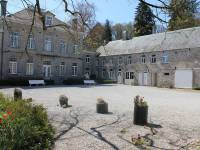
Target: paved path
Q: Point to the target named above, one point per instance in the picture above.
(175, 114)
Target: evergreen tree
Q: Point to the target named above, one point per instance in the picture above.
(144, 20)
(182, 14)
(108, 32)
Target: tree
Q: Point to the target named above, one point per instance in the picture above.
(95, 37)
(87, 17)
(182, 14)
(144, 20)
(107, 32)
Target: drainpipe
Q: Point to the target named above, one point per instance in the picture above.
(3, 4)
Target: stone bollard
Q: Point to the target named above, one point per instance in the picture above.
(63, 101)
(101, 106)
(17, 94)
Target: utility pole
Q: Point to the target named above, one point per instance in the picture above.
(3, 4)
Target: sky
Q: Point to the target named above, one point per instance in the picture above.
(117, 11)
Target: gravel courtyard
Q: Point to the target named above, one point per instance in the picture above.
(174, 117)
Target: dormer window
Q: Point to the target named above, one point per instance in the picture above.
(48, 20)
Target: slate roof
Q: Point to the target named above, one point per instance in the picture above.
(179, 39)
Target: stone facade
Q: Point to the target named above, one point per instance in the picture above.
(128, 67)
(57, 60)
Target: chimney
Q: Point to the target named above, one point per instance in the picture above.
(3, 4)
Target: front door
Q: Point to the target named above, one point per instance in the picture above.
(47, 71)
(119, 77)
(145, 78)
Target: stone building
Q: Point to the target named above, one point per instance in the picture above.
(170, 59)
(52, 54)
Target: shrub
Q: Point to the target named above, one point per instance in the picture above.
(101, 81)
(63, 101)
(73, 81)
(18, 81)
(17, 94)
(49, 82)
(24, 125)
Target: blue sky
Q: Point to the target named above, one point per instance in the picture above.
(117, 11)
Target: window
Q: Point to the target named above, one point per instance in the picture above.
(129, 61)
(127, 75)
(111, 61)
(143, 59)
(165, 57)
(62, 47)
(29, 69)
(166, 74)
(31, 42)
(48, 20)
(97, 62)
(62, 69)
(120, 60)
(103, 62)
(14, 39)
(111, 74)
(153, 59)
(104, 74)
(75, 49)
(13, 67)
(48, 45)
(131, 75)
(74, 69)
(87, 59)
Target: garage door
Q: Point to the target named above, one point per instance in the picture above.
(183, 78)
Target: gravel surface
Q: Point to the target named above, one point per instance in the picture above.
(174, 117)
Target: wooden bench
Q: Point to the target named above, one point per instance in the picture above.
(89, 82)
(36, 82)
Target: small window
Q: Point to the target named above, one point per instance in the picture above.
(165, 57)
(120, 60)
(48, 45)
(74, 69)
(166, 74)
(62, 69)
(87, 59)
(48, 20)
(13, 67)
(14, 39)
(29, 68)
(143, 59)
(111, 74)
(97, 62)
(31, 42)
(127, 75)
(129, 61)
(62, 47)
(153, 59)
(131, 75)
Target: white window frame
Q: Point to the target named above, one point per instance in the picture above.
(111, 74)
(12, 67)
(129, 61)
(14, 39)
(31, 42)
(62, 70)
(29, 69)
(131, 75)
(49, 20)
(143, 59)
(48, 45)
(120, 60)
(153, 59)
(127, 75)
(165, 57)
(74, 70)
(87, 59)
(62, 47)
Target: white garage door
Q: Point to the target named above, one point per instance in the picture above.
(183, 78)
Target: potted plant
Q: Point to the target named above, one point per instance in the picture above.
(101, 106)
(140, 111)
